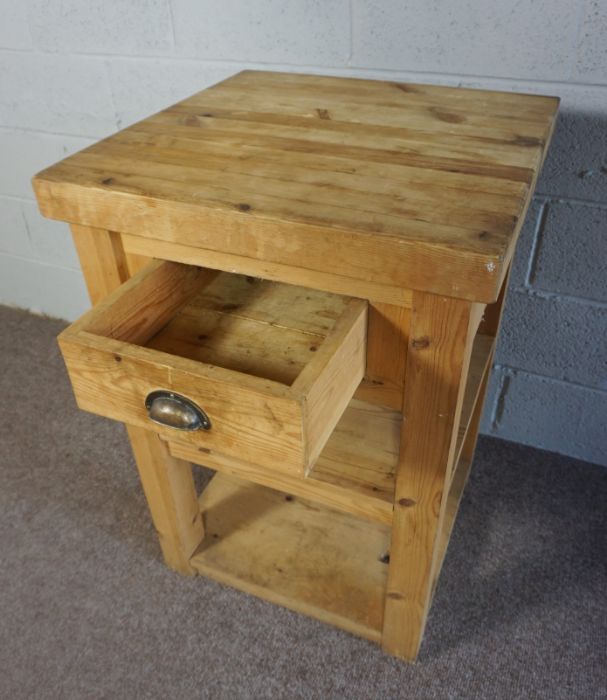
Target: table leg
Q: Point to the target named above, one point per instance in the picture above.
(440, 342)
(167, 482)
(169, 488)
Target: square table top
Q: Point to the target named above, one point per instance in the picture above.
(405, 185)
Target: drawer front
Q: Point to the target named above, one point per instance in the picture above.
(263, 421)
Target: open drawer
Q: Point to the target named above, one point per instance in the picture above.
(253, 369)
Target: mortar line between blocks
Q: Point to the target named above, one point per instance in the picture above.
(29, 130)
(172, 22)
(108, 76)
(538, 235)
(563, 382)
(38, 261)
(557, 199)
(497, 409)
(559, 296)
(319, 68)
(351, 52)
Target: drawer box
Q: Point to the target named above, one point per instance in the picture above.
(272, 366)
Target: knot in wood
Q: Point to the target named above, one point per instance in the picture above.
(420, 343)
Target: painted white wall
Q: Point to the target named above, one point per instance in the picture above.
(72, 71)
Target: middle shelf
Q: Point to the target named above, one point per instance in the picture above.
(354, 473)
(356, 470)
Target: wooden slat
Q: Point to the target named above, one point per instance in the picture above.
(399, 178)
(328, 382)
(145, 303)
(387, 341)
(167, 481)
(272, 195)
(295, 554)
(102, 260)
(305, 102)
(261, 328)
(362, 453)
(309, 311)
(239, 344)
(136, 263)
(239, 264)
(235, 349)
(480, 361)
(472, 412)
(390, 93)
(439, 348)
(459, 478)
(414, 192)
(264, 198)
(227, 226)
(169, 489)
(354, 473)
(324, 131)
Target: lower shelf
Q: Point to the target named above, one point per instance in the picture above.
(295, 553)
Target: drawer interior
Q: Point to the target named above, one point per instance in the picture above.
(261, 328)
(271, 365)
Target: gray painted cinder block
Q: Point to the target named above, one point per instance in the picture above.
(467, 37)
(143, 86)
(130, 27)
(151, 53)
(558, 337)
(551, 415)
(62, 94)
(42, 288)
(576, 165)
(308, 32)
(13, 230)
(490, 404)
(591, 49)
(525, 243)
(571, 256)
(14, 30)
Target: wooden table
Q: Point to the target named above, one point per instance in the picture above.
(317, 327)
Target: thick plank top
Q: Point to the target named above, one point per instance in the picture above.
(405, 185)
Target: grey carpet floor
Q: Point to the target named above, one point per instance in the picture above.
(88, 610)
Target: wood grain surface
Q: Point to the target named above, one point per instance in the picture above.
(295, 553)
(273, 365)
(387, 183)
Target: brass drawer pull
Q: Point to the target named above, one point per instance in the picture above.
(175, 411)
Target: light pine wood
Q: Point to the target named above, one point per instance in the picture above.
(472, 412)
(139, 308)
(387, 341)
(329, 282)
(234, 349)
(480, 363)
(294, 553)
(167, 481)
(407, 199)
(354, 473)
(102, 259)
(171, 496)
(287, 170)
(329, 381)
(439, 348)
(135, 263)
(459, 478)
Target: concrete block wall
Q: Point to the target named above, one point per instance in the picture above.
(73, 71)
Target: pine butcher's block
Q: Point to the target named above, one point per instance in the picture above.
(297, 282)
